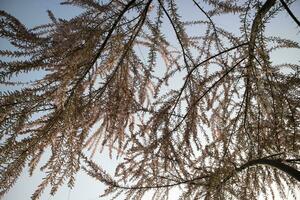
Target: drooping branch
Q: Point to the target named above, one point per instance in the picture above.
(290, 12)
(256, 26)
(128, 46)
(209, 18)
(255, 29)
(203, 95)
(97, 172)
(277, 163)
(97, 78)
(103, 45)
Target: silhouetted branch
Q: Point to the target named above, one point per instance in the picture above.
(290, 12)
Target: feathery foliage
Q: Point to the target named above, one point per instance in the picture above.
(205, 110)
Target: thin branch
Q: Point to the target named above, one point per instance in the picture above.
(160, 186)
(290, 12)
(182, 48)
(195, 103)
(128, 45)
(101, 48)
(209, 18)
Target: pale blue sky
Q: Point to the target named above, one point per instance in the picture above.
(33, 12)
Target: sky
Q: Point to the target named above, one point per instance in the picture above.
(33, 12)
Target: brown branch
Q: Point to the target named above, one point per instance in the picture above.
(189, 181)
(291, 171)
(100, 49)
(290, 12)
(206, 60)
(276, 163)
(209, 18)
(182, 49)
(176, 32)
(97, 171)
(197, 101)
(136, 31)
(256, 25)
(253, 35)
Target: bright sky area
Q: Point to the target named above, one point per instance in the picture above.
(33, 12)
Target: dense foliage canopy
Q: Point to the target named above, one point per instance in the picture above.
(184, 103)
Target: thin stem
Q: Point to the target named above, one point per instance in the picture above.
(196, 102)
(290, 12)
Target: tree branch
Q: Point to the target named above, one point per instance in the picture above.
(290, 12)
(274, 163)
